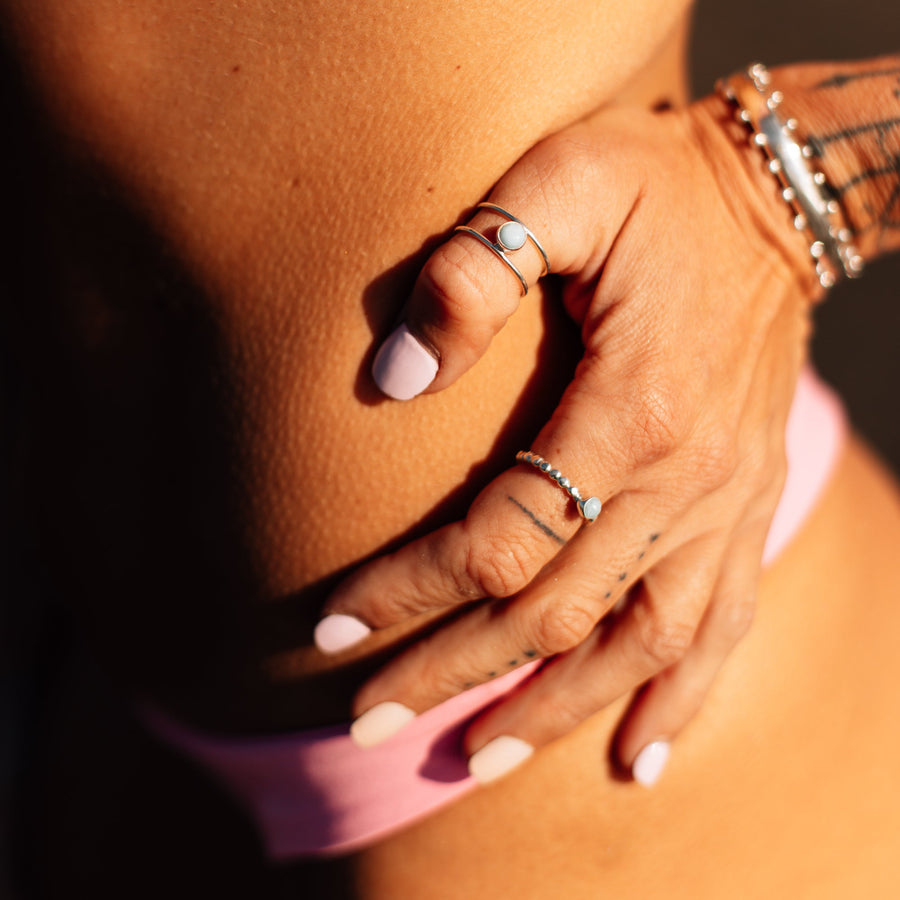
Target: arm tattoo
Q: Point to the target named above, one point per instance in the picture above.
(838, 81)
(884, 153)
(862, 157)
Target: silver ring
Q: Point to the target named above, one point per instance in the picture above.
(588, 508)
(511, 236)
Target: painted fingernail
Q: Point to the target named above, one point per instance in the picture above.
(380, 722)
(650, 762)
(403, 368)
(495, 759)
(338, 632)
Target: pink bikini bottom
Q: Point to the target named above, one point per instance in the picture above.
(315, 792)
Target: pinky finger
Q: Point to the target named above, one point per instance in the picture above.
(673, 698)
(657, 627)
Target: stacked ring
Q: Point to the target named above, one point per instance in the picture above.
(588, 508)
(511, 236)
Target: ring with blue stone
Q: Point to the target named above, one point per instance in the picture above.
(512, 235)
(588, 508)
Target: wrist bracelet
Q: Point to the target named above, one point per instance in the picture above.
(817, 213)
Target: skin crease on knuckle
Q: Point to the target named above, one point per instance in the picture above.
(736, 617)
(663, 639)
(714, 459)
(561, 710)
(456, 297)
(561, 625)
(660, 422)
(500, 566)
(378, 608)
(553, 706)
(438, 676)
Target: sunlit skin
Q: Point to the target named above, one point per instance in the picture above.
(251, 193)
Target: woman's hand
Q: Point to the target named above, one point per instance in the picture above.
(680, 265)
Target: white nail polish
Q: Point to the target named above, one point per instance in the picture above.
(380, 722)
(495, 759)
(650, 762)
(338, 632)
(403, 368)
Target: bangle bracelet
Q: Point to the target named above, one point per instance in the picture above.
(817, 213)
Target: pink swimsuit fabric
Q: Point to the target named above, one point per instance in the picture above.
(314, 792)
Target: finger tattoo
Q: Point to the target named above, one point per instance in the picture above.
(543, 527)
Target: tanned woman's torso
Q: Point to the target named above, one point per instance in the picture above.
(240, 197)
(237, 198)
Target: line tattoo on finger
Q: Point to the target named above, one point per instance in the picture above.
(543, 526)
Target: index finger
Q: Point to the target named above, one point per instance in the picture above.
(516, 525)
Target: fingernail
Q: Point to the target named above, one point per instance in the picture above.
(650, 762)
(501, 755)
(403, 368)
(338, 632)
(379, 723)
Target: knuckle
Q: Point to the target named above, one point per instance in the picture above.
(441, 684)
(456, 294)
(738, 618)
(397, 607)
(660, 424)
(562, 626)
(716, 461)
(685, 695)
(563, 161)
(664, 641)
(561, 712)
(563, 170)
(498, 569)
(382, 611)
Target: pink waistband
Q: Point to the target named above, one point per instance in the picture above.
(814, 437)
(315, 792)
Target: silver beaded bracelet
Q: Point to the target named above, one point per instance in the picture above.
(817, 213)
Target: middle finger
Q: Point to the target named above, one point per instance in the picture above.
(556, 612)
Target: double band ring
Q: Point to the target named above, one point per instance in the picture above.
(512, 235)
(588, 508)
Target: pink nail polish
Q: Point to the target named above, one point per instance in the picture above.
(650, 762)
(338, 632)
(499, 756)
(403, 368)
(380, 723)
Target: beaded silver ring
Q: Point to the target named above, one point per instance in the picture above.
(588, 508)
(512, 235)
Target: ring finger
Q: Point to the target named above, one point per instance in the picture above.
(557, 611)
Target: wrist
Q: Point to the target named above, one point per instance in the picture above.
(849, 115)
(756, 197)
(775, 132)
